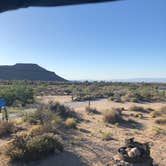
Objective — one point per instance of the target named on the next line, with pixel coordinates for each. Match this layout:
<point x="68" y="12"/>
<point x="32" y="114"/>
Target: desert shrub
<point x="37" y="130"/>
<point x="161" y="121"/>
<point x="137" y="109"/>
<point x="112" y="116"/>
<point x="71" y="123"/>
<point x="63" y="111"/>
<point x="158" y="113"/>
<point x="107" y="136"/>
<point x="28" y="148"/>
<point x="155" y="114"/>
<point x="116" y="98"/>
<point x="6" y="128"/>
<point x="17" y="93"/>
<point x="49" y="120"/>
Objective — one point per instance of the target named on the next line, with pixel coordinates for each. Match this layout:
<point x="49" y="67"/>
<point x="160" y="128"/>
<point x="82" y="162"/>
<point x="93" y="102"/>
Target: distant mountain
<point x="23" y="71"/>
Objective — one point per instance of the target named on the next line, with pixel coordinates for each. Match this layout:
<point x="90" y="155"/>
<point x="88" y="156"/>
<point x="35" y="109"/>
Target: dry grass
<point x="107" y="136"/>
<point x="112" y="116"/>
<point x="71" y="123"/>
<point x="137" y="108"/>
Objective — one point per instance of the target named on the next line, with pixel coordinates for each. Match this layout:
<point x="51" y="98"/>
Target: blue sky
<point x="125" y="39"/>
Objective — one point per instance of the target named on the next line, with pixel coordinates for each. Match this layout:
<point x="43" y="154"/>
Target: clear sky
<point x="125" y="39"/>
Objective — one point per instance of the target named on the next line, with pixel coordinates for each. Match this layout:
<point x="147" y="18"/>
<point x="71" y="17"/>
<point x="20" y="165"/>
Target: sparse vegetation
<point x="119" y="92"/>
<point x="17" y="94"/>
<point x="28" y="148"/>
<point x="157" y="131"/>
<point x="137" y="109"/>
<point x="40" y="123"/>
<point x="43" y="117"/>
<point x="112" y="116"/>
<point x="107" y="136"/>
<point x="61" y="110"/>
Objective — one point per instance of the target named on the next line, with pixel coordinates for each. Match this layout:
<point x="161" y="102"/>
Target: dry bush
<point x="37" y="130"/>
<point x="28" y="148"/>
<point x="158" y="113"/>
<point x="71" y="123"/>
<point x="112" y="116"/>
<point x="161" y="121"/>
<point x="43" y="117"/>
<point x="6" y="128"/>
<point x="137" y="109"/>
<point x="155" y="114"/>
<point x="107" y="136"/>
<point x="63" y="111"/>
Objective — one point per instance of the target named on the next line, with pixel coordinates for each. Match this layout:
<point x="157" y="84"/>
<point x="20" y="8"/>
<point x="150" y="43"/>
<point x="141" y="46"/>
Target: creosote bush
<point x="71" y="123"/>
<point x="61" y="110"/>
<point x="6" y="128"/>
<point x="112" y="116"/>
<point x="28" y="148"/>
<point x="43" y="117"/>
<point x="17" y="94"/>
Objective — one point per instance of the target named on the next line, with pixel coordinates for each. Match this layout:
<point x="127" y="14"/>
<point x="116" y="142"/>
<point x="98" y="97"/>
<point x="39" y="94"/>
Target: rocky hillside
<point x="27" y="72"/>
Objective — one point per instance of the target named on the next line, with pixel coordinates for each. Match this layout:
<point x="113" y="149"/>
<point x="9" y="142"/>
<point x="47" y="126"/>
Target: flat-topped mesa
<point x="27" y="71"/>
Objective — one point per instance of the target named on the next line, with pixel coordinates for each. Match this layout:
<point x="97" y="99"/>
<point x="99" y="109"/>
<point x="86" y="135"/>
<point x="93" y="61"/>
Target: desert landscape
<point x="90" y="128"/>
<point x="82" y="83"/>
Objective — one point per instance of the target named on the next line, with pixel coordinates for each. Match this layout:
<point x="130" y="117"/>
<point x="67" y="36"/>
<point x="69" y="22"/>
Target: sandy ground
<point x="85" y="146"/>
<point x="87" y="141"/>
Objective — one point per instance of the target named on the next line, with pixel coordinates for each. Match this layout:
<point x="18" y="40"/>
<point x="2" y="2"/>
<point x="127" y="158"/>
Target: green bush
<point x="43" y="117"/>
<point x="112" y="116"/>
<point x="17" y="93"/>
<point x="29" y="148"/>
<point x="6" y="128"/>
